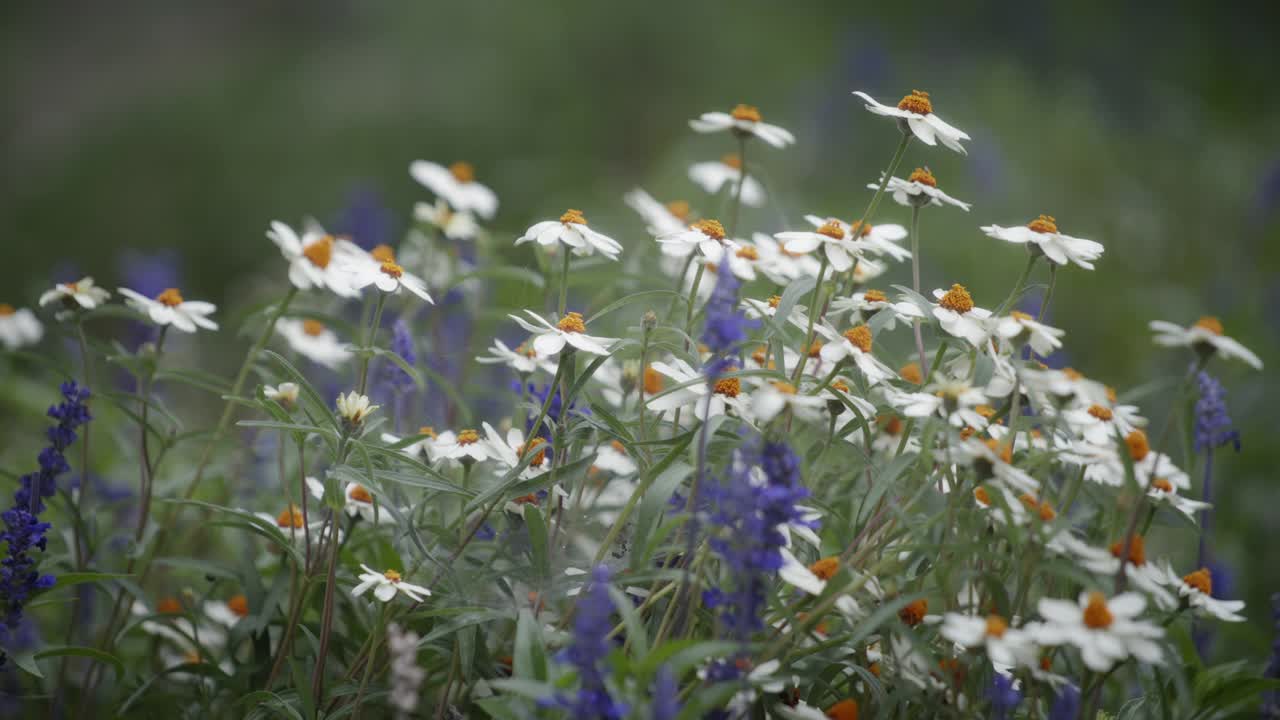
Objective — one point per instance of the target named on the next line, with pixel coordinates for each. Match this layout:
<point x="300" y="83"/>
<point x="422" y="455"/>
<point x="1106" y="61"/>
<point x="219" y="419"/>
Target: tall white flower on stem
<point x="357" y="501"/>
<point x="1042" y="233"/>
<point x="743" y="120"/>
<point x="919" y="189"/>
<point x="659" y="219"/>
<point x="379" y="268"/>
<point x="571" y="230"/>
<point x="386" y="585"/>
<point x="1205" y="336"/>
<point x="958" y="315"/>
<point x="915" y="114"/>
<point x="1106" y="631"/>
<point x="570" y="330"/>
<point x="706" y="236"/>
<point x="316" y="258"/>
<point x="79" y="295"/>
<point x="869" y="303"/>
<point x="854" y="343"/>
<point x="523" y="359"/>
<point x="18" y="327"/>
<point x="879" y="239"/>
<point x="1196" y="590"/>
<point x="455" y="224"/>
<point x="833" y="239"/>
<point x="713" y="175"/>
<point x="510" y="450"/>
<point x="1021" y="327"/>
<point x="169" y="308"/>
<point x="727" y="393"/>
<point x="312" y="340"/>
<point x="457" y="185"/>
<point x="1005" y="646"/>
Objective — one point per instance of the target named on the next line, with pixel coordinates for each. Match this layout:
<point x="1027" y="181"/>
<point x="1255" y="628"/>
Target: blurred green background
<point x="137" y="130"/>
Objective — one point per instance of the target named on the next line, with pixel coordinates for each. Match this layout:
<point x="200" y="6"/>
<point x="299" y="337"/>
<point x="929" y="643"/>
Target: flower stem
<point x="737" y="190"/>
<point x="369" y="339"/>
<point x="813" y="316"/>
<point x="564" y="284"/>
<point x="915" y="284"/>
<point x="1019" y="285"/>
<point x="1048" y="293"/>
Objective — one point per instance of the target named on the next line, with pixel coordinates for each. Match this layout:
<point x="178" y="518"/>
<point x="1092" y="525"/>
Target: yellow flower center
<point x="859" y="337"/>
<point x="891" y="424"/>
<point x="1138" y="445"/>
<point x="572" y="323"/>
<point x="985" y="411"/>
<point x="957" y="299"/>
<point x="922" y="176"/>
<point x="825" y="568"/>
<point x="711" y="228"/>
<point x="1162" y="485"/>
<point x="859" y="229"/>
<point x="169" y="606"/>
<point x="573" y="217"/>
<point x="392" y="269"/>
<point x="238" y="604"/>
<point x="652" y="381"/>
<point x="831" y="229"/>
<point x="618" y="446"/>
<point x="383" y="253"/>
<point x="917" y="102"/>
<point x="1200" y="580"/>
<point x="1045" y="510"/>
<point x="748" y="252"/>
<point x="360" y="493"/>
<point x="729" y="387"/>
<point x="913" y="613"/>
<point x="1044" y="224"/>
<point x="1102" y="413"/>
<point x="911" y="373"/>
<point x="844" y="710"/>
<point x="1072" y="374"/>
<point x="320" y="252"/>
<point x="1004" y="451"/>
<point x="785" y="388"/>
<point x="6" y="310"/>
<point x="996" y="626"/>
<point x="1210" y="323"/>
<point x="463" y="172"/>
<point x="1096" y="614"/>
<point x="312" y="327"/>
<point x="1137" y="550"/>
<point x="290" y="517"/>
<point x="533" y="443"/>
<point x="1019" y="315"/>
<point x="746" y="112"/>
<point x="392" y="575"/>
<point x="840" y="385"/>
<point x="774" y="300"/>
<point x="815" y="349"/>
<point x="468" y="437"/>
<point x="732" y="160"/>
<point x="874" y="296"/>
<point x="170" y="297"/>
<point x="679" y="208"/>
<point x="981" y="495"/>
<point x="427" y="431"/>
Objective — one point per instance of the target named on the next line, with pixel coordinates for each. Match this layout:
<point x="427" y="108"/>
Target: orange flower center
<point x="1072" y="373"/>
<point x="911" y="373"/>
<point x="785" y="388"/>
<point x="996" y="626"/>
<point x="923" y="176"/>
<point x="1102" y="413"/>
<point x="1200" y="580"/>
<point x="1210" y="323"/>
<point x="774" y="300"/>
<point x="1138" y="445"/>
<point x="891" y="424"/>
<point x="844" y="710"/>
<point x="392" y="575"/>
<point x="1096" y="614"/>
<point x="874" y="296"/>
<point x="169" y="606"/>
<point x="1044" y="224"/>
<point x="290" y="517"/>
<point x="746" y="112"/>
<point x="533" y="443"/>
<point x="729" y="387"/>
<point x="957" y="299"/>
<point x="917" y="102"/>
<point x="427" y="431"/>
<point x="383" y="253"/>
<point x="859" y="229"/>
<point x="618" y="446"/>
<point x="732" y="160"/>
<point x="239" y="604"/>
<point x="831" y="229"/>
<point x="711" y="228"/>
<point x="463" y="172"/>
<point x="530" y="499"/>
<point x="840" y="385"/>
<point x="6" y="310"/>
<point x="468" y="437"/>
<point x="312" y="327"/>
<point x="679" y="208"/>
<point x="652" y="381"/>
<point x="573" y="217"/>
<point x="981" y="495"/>
<point x="1004" y="451"/>
<point x="320" y="252"/>
<point x="1162" y="485"/>
<point x="392" y="269"/>
<point x="1137" y="550"/>
<point x="572" y="323"/>
<point x="748" y="252"/>
<point x="360" y="493"/>
<point x="170" y="297"/>
<point x="1046" y="511"/>
<point x="859" y="337"/>
<point x="913" y="613"/>
<point x="825" y="568"/>
<point x="985" y="411"/>
<point x="1019" y="315"/>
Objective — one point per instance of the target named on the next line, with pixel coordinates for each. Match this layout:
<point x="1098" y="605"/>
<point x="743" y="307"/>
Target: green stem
<point x="1048" y="294"/>
<point x="1018" y="286"/>
<point x="742" y="180"/>
<point x="370" y="337"/>
<point x="915" y="283"/>
<point x="813" y="316"/>
<point x="564" y="283"/>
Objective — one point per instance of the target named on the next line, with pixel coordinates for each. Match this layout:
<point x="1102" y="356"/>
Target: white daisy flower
<point x="1105" y="631"/>
<point x="465" y="446"/>
<point x="955" y="400"/>
<point x="771" y="398"/>
<point x="79" y="295"/>
<point x="357" y="500"/>
<point x="1021" y="327"/>
<point x="813" y="578"/>
<point x="959" y="317"/>
<point x="915" y="113"/>
<point x="315" y="258"/>
<point x="424" y="446"/>
<point x="713" y="175"/>
<point x="1004" y="645"/>
<point x="782" y="264"/>
<point x="291" y="523"/>
<point x="386" y="585"/>
<point x="1043" y="234"/>
<point x="840" y="388"/>
<point x="227" y="614"/>
<point x="854" y="343"/>
<point x="571" y="230"/>
<point x="312" y="340"/>
<point x="509" y="450"/>
<point x="168" y="308"/>
<point x="1196" y="589"/>
<point x="457" y="185"/>
<point x="380" y="269"/>
<point x="175" y="626"/>
<point x="613" y="457"/>
<point x="831" y="236"/>
<point x="354" y="407"/>
<point x="1146" y="576"/>
<point x="743" y="120"/>
<point x="998" y="456"/>
<point x="919" y="189"/>
<point x="726" y="394"/>
<point x="286" y="393"/>
<point x="454" y="224"/>
<point x="1098" y="423"/>
<point x="1205" y="336"/>
<point x="570" y="330"/>
<point x="523" y="359"/>
<point x="705" y="236"/>
<point x="879" y="239"/>
<point x="1162" y="491"/>
<point x="659" y="219"/>
<point x="18" y="328"/>
<point x="870" y="302"/>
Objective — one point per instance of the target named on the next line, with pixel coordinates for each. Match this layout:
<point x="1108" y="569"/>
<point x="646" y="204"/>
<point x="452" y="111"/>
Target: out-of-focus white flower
<point x="879" y="239"/>
<point x="854" y="343"/>
<point x="1146" y="576"/>
<point x="831" y="236"/>
<point x="915" y="111"/>
<point x="455" y="224"/>
<point x="357" y="500"/>
<point x="407" y="675"/>
<point x="509" y="450"/>
<point x="1021" y="327"/>
<point x="466" y="446"/>
<point x="291" y="523"/>
<point x="715" y="174"/>
<point x="659" y="219"/>
<point x="571" y="230"/>
<point x="354" y="407"/>
<point x="228" y="613"/>
<point x="771" y="398"/>
<point x="286" y="393"/>
<point x="386" y="585"/>
<point x="958" y="315"/>
<point x="810" y="578"/>
<point x="919" y="189"/>
<point x="570" y="330"/>
<point x="613" y="457"/>
<point x="18" y="327"/>
<point x="1105" y="631"/>
<point x="1098" y="423"/>
<point x="524" y="359"/>
<point x="380" y="269"/>
<point x="870" y="302"/>
<point x="781" y="264"/>
<point x="79" y="295"/>
<point x="457" y="185"/>
<point x="1043" y="234"/>
<point x="424" y="446"/>
<point x="315" y="257"/>
<point x="1196" y="589"/>
<point x="955" y="400"/>
<point x="743" y="120"/>
<point x="725" y="394"/>
<point x="1205" y="336"/>
<point x="312" y="340"/>
<point x="1004" y="645"/>
<point x="706" y="236"/>
<point x="168" y="308"/>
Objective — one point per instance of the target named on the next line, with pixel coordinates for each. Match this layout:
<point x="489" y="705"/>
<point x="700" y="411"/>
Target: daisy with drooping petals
<point x="386" y="585"/>
<point x="229" y="613"/>
<point x="1196" y="590"/>
<point x="880" y="239"/>
<point x="455" y="224"/>
<point x="714" y="175"/>
<point x="354" y="407"/>
<point x="915" y="113"/>
<point x="379" y="268"/>
<point x="1146" y="576"/>
<point x="168" y="308"/>
<point x="524" y="359"/>
<point x="659" y="219"/>
<point x="1205" y="337"/>
<point x="1105" y="630"/>
<point x="79" y="295"/>
<point x="1162" y="491"/>
<point x="919" y="189"/>
<point x="358" y="501"/>
<point x="744" y="121"/>
<point x="780" y="263"/>
<point x="613" y="457"/>
<point x="465" y="446"/>
<point x="18" y="327"/>
<point x="510" y="450"/>
<point x="424" y="446"/>
<point x="312" y="340"/>
<point x="831" y="235"/>
<point x="706" y="236"/>
<point x="727" y="393"/>
<point x="292" y="524"/>
<point x="956" y="400"/>
<point x="1006" y="646"/>
<point x="1021" y="327"/>
<point x="571" y="230"/>
<point x="958" y="315"/>
<point x="570" y="330"/>
<point x="771" y="398"/>
<point x="1042" y="233"/>
<point x="316" y="258"/>
<point x="1098" y="423"/>
<point x="457" y="185"/>
<point x="854" y="343"/>
<point x="868" y="303"/>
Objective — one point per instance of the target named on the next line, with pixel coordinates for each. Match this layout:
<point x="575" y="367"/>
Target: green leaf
<point x="84" y="652"/>
<point x="530" y="658"/>
<point x="537" y="540"/>
<point x="76" y="578"/>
